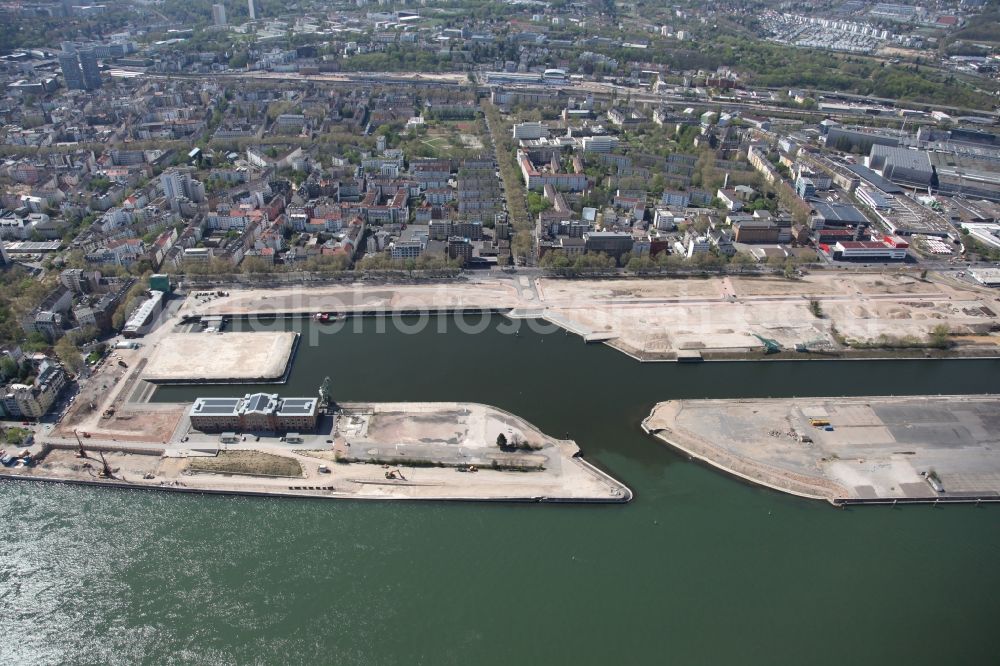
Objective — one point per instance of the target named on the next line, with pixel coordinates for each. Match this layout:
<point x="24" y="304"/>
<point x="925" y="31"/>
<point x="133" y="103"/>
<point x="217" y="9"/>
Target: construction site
<point x="843" y="314"/>
<point x="819" y="315"/>
<point x="860" y="450"/>
<point x="412" y="451"/>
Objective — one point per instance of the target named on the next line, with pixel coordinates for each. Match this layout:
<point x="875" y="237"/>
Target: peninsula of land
<point x="845" y="450"/>
<point x="408" y="451"/>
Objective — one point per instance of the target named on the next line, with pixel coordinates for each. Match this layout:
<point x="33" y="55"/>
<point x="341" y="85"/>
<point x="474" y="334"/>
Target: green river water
<point x="699" y="569"/>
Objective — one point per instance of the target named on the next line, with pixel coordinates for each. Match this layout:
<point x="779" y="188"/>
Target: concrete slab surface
<point x="878" y="448"/>
<point x="221" y="357"/>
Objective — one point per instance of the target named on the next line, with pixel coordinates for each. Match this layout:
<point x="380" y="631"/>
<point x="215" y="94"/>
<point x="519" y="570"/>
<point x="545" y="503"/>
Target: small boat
<point x="322" y="317"/>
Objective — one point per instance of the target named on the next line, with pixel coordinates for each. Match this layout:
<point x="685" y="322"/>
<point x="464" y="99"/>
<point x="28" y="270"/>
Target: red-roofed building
<point x="868" y="250"/>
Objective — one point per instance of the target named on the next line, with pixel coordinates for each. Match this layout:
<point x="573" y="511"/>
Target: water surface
<point x="699" y="569"/>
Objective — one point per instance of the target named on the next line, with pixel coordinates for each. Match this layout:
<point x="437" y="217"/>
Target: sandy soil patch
<point x="357" y="297"/>
<point x="559" y="290"/>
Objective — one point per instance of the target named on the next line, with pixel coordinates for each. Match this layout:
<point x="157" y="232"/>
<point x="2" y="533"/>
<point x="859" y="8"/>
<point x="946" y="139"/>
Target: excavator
<point x="771" y="346"/>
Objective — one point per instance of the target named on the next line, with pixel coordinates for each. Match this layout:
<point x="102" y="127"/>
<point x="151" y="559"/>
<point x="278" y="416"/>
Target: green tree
<point x="939" y="336"/>
<point x="69" y="354"/>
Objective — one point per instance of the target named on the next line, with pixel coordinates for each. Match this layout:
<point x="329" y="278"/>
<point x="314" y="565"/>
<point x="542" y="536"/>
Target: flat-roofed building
<point x="756" y="231"/>
<point x="874" y="198"/>
<point x="836" y="215"/>
<point x="987" y="233"/>
<point x="530" y="130"/>
<point x="901" y="165"/>
<point x="599" y="144"/>
<point x="144" y="316"/>
<point x="869" y="250"/>
<point x="989" y="277"/>
<point x="212" y="414"/>
<point x="612" y="243"/>
<point x="536" y="179"/>
<point x="255" y="412"/>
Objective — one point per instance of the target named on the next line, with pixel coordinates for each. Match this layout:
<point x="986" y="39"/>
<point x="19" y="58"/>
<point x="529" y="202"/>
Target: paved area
<point x="227" y="356"/>
<point x="877" y="448"/>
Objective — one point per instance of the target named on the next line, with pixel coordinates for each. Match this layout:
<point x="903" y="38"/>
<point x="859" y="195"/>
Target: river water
<point x="699" y="569"/>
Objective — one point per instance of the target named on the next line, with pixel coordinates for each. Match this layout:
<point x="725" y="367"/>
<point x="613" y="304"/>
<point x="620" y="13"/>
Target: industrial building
<point x="988" y="277"/>
<point x="888" y="249"/>
<point x="255" y="412"/>
<point x="987" y="233"/>
<point x="847" y="139"/>
<point x="901" y="165"/>
<point x="826" y="215"/>
<point x="144" y="316"/>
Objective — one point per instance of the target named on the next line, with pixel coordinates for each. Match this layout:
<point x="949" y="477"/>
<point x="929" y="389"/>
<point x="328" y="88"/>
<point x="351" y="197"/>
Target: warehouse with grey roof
<point x="902" y="165"/>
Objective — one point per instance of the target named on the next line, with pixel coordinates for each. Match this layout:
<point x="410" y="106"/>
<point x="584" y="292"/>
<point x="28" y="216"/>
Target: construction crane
<point x="106" y="471"/>
<point x="771" y="346"/>
<point x="324" y="393"/>
<point x="80" y="453"/>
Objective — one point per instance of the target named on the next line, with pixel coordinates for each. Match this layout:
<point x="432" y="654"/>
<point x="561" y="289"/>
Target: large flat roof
<point x="256" y="403"/>
<point x="874" y="179"/>
<point x="297" y="406"/>
<point x="216" y="406"/>
<point x="904" y="158"/>
<point x="839" y="212"/>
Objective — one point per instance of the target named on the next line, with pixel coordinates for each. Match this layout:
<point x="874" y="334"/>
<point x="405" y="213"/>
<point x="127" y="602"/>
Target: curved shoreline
<point x="401" y="451"/>
<point x="714" y="462"/>
<point x="845" y="450"/>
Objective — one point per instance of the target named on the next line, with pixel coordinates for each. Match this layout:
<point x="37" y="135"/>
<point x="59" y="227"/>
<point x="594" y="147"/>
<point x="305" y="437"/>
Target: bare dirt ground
<point x="593" y="290"/>
<point x="357" y="297"/>
<point x="443" y="426"/>
<point x="658" y="317"/>
<point x="66" y="463"/>
<point x="431" y="448"/>
<point x="103" y="408"/>
<point x="251" y="463"/>
<point x="661" y="317"/>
